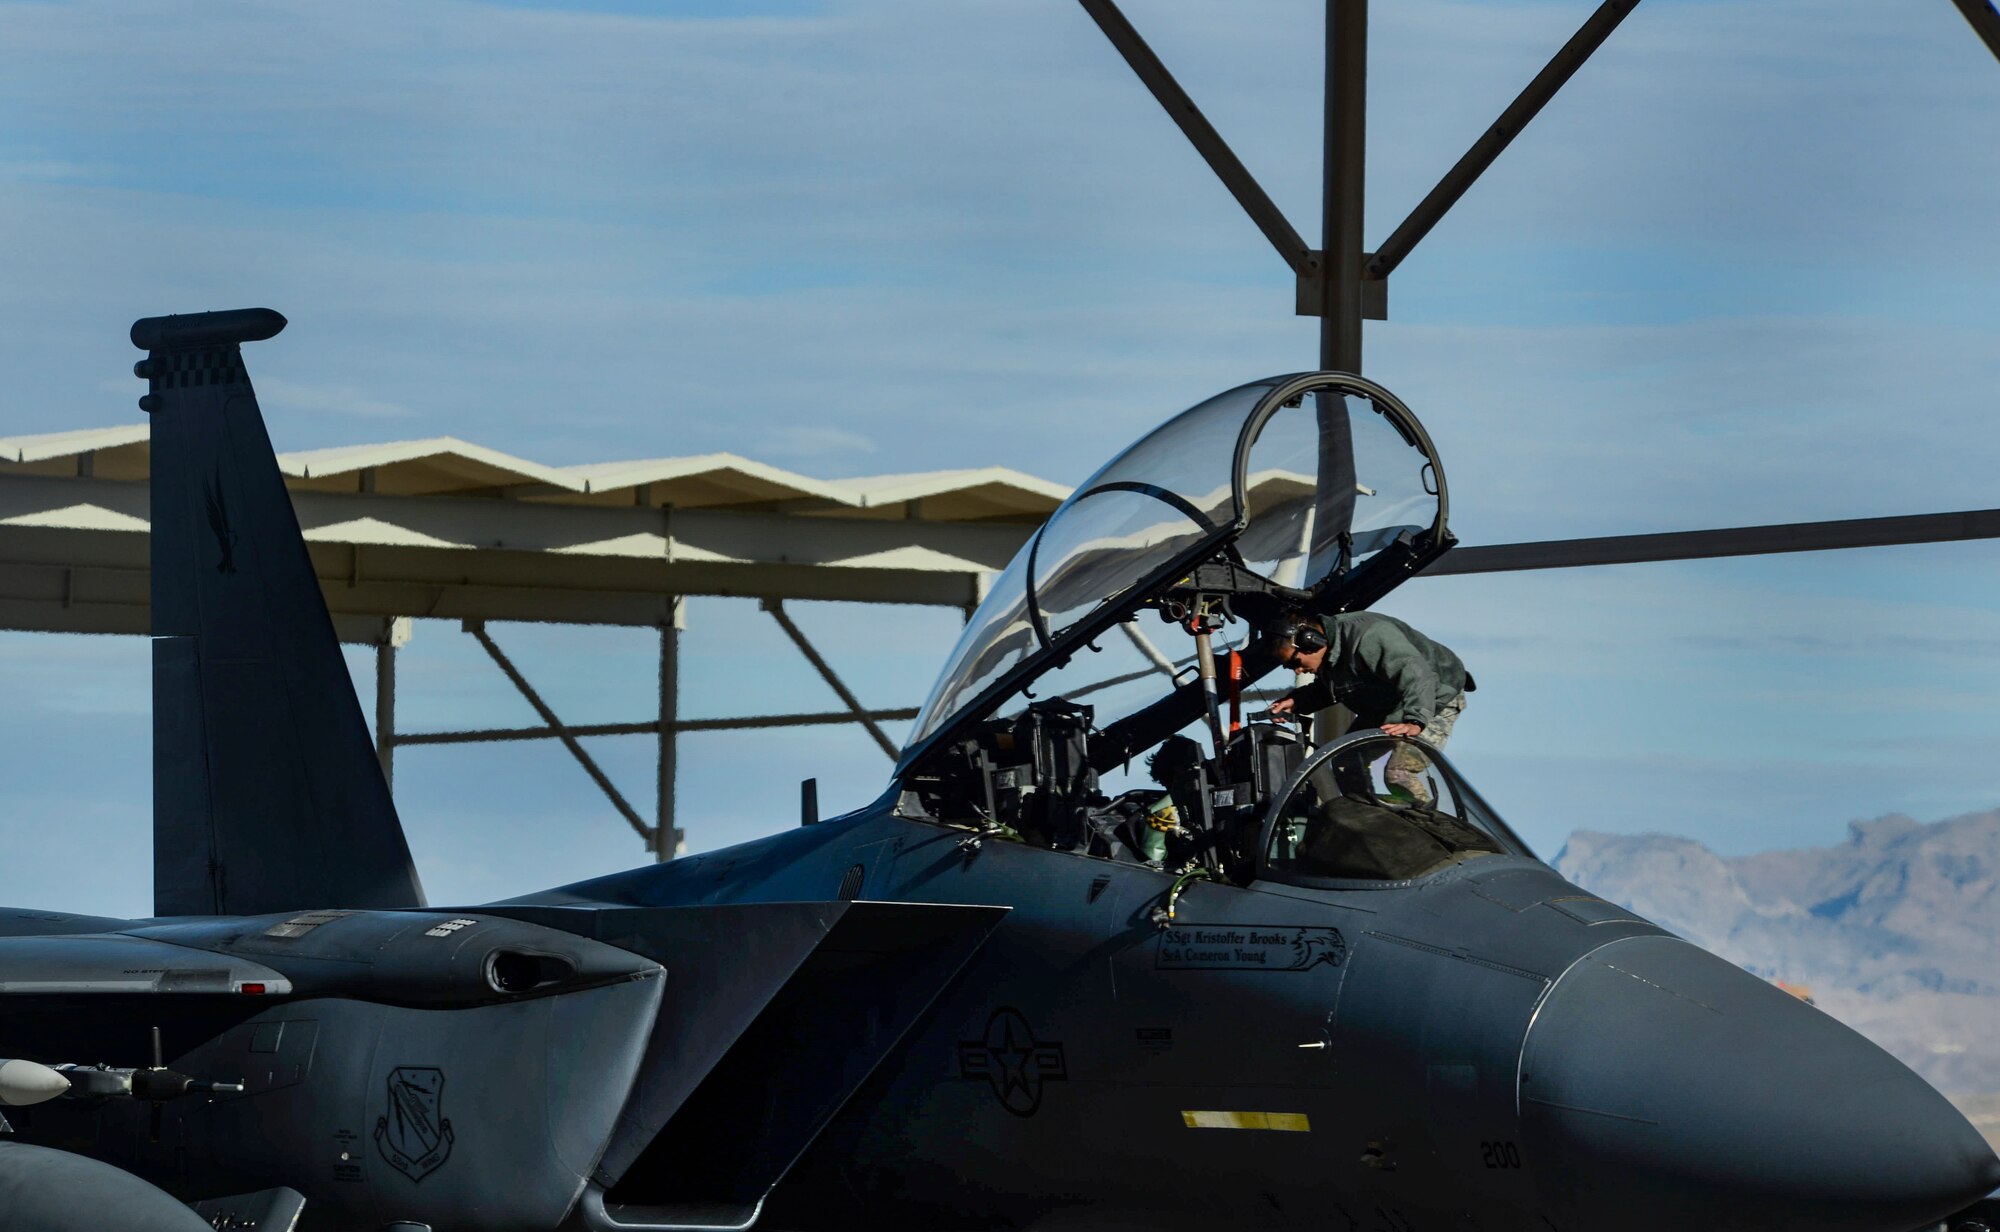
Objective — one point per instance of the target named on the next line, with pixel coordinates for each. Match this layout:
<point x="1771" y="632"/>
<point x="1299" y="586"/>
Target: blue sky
<point x="1742" y="270"/>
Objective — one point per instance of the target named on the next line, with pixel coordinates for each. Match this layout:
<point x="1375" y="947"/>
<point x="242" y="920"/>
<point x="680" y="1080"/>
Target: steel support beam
<point x="753" y="722"/>
<point x="822" y="718"/>
<point x="478" y="630"/>
<point x="777" y="609"/>
<point x="668" y="839"/>
<point x="1343" y="181"/>
<point x="385" y="710"/>
<point x="1154" y="654"/>
<point x="1202" y="135"/>
<point x="1985" y="22"/>
<point x="1731" y="541"/>
<point x="1495" y="139"/>
<point x="1340" y="283"/>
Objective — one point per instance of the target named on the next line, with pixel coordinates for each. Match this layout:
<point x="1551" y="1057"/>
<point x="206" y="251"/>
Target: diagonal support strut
<point x="777" y="609"/>
<point x="1495" y="139"/>
<point x="1207" y="142"/>
<point x="1985" y="22"/>
<point x="477" y="628"/>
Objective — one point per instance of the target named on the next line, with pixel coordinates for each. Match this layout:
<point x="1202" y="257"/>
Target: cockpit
<point x="1097" y="700"/>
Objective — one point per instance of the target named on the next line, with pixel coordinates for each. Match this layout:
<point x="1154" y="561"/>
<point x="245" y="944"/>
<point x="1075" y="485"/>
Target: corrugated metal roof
<point x="48" y="445"/>
<point x="447" y="466"/>
<point x="439" y="466"/>
<point x="981" y="494"/>
<point x="122" y="452"/>
<point x="702" y="481"/>
<point x="446" y="528"/>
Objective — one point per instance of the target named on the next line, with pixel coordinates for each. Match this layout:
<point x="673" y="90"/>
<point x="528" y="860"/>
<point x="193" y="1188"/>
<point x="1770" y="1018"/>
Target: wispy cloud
<point x="30" y="169"/>
<point x="815" y="441"/>
<point x="332" y="400"/>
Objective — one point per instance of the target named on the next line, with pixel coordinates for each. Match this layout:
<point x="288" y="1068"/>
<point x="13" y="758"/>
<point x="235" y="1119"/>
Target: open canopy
<point x="1320" y="490"/>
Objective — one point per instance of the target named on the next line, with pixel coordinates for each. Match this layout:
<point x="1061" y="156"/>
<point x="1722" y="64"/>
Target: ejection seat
<point x="1346" y="817"/>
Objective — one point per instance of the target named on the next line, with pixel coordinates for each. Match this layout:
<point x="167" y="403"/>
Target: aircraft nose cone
<point x="1662" y="1087"/>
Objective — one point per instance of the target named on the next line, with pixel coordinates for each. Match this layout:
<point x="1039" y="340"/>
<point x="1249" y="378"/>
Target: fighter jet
<point x="1105" y="954"/>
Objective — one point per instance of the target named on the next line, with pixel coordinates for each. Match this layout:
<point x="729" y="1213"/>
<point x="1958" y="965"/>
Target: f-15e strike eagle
<point x="1024" y="989"/>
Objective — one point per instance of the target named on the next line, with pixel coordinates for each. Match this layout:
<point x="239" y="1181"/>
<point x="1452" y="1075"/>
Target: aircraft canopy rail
<point x="1279" y="492"/>
<point x="1371" y="810"/>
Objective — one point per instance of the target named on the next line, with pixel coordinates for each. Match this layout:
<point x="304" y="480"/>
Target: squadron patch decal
<point x="414" y="1136"/>
<point x="1009" y="1058"/>
<point x="1249" y="947"/>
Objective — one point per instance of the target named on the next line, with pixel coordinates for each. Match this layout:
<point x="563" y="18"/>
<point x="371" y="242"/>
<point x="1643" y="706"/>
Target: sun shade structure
<point x="443" y="527"/>
<point x="447" y="528"/>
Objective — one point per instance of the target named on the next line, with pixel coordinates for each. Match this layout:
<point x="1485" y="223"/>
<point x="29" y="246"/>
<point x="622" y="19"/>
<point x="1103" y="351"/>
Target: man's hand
<point x="1398" y="729"/>
<point x="1281" y="710"/>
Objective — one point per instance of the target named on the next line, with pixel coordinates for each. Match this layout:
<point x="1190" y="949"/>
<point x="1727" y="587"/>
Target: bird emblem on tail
<point x="218" y="521"/>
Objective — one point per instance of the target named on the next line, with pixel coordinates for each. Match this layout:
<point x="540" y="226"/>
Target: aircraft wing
<point x="389" y="1061"/>
<point x="578" y="1049"/>
<point x="745" y="1069"/>
<point x="86" y="965"/>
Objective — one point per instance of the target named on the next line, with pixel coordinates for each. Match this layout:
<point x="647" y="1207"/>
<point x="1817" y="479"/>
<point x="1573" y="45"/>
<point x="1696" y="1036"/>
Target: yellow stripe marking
<point x="1290" y="1122"/>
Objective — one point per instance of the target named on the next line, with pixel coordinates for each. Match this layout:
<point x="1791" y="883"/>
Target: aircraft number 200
<point x="1500" y="1154"/>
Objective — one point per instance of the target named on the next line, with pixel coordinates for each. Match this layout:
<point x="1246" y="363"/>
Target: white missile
<point x="24" y="1082"/>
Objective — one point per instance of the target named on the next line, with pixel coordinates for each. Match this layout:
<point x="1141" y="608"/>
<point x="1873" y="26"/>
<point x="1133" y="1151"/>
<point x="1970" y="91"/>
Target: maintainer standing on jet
<point x="1387" y="673"/>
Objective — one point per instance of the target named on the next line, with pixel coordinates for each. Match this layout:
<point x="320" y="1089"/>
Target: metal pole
<point x="667" y="839"/>
<point x="1346" y="137"/>
<point x="752" y="722"/>
<point x="1727" y="541"/>
<point x="385" y="708"/>
<point x="1345" y="181"/>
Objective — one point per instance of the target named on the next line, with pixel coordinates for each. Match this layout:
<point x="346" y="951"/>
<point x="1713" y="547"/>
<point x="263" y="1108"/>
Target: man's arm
<point x="1311" y="697"/>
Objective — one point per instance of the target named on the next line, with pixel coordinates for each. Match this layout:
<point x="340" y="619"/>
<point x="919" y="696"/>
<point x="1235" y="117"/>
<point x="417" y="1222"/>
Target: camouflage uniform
<point x="1387" y="672"/>
<point x="1407" y="764"/>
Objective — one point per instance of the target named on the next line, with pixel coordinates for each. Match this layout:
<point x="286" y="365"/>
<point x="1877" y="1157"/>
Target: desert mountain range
<point x="1896" y="931"/>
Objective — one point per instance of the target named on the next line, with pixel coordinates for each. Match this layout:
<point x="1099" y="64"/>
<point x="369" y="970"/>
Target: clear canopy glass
<point x="1297" y="483"/>
<point x="1101" y="541"/>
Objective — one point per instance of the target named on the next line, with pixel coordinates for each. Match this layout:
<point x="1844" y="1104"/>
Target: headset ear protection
<point x="1305" y="638"/>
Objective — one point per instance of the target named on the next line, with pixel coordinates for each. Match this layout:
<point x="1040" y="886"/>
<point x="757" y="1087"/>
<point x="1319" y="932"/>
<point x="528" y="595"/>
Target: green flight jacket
<point x="1384" y="671"/>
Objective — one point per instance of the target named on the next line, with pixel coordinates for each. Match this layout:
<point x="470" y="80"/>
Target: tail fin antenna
<point x="267" y="795"/>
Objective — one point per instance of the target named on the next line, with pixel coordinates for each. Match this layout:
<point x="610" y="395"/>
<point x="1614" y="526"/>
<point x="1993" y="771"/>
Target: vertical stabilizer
<point x="267" y="795"/>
